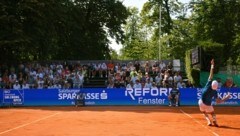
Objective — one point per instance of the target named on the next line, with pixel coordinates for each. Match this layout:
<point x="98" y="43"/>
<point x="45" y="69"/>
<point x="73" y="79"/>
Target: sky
<point x="139" y="5"/>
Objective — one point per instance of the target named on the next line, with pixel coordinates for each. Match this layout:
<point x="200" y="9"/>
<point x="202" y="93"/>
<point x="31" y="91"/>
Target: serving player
<point x="208" y="92"/>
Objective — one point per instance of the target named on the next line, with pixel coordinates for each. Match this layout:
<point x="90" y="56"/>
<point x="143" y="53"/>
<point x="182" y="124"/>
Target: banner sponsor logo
<point x="67" y="94"/>
<point x="70" y="94"/>
<point x="148" y="95"/>
<point x="96" y="96"/>
<point x="15" y="97"/>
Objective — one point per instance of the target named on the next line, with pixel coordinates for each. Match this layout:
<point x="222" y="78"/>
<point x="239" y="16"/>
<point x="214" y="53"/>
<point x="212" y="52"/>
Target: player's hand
<point x="228" y="96"/>
<point x="212" y="62"/>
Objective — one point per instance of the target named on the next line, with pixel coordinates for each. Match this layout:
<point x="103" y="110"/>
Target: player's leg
<point x="214" y="119"/>
<point x="207" y="118"/>
<point x="203" y="109"/>
<point x="210" y="110"/>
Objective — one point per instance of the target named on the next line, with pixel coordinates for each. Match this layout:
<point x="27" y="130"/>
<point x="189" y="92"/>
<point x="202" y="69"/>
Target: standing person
<point x="208" y="92"/>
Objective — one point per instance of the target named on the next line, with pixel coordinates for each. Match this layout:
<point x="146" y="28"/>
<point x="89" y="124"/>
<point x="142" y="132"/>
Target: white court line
<point x="29" y="123"/>
<point x="214" y="133"/>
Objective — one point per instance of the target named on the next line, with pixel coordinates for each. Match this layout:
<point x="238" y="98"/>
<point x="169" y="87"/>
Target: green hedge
<point x="193" y="74"/>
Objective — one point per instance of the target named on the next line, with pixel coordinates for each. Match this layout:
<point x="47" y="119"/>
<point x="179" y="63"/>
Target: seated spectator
<point x="137" y="84"/>
<point x="155" y="67"/>
<point x="229" y="83"/>
<point x="25" y="85"/>
<point x="16" y="85"/>
<point x="147" y="67"/>
<point x="110" y="67"/>
<point x="162" y="66"/>
<point x="154" y="85"/>
<point x="177" y="77"/>
<point x="181" y="84"/>
<point x="137" y="65"/>
<point x="158" y="79"/>
<point x="173" y="97"/>
<point x="130" y="85"/>
<point x="148" y="84"/>
<point x="110" y="84"/>
<point x="189" y="84"/>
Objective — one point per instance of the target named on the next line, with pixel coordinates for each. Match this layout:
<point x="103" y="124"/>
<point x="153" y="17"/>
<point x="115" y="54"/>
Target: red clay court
<point x="116" y="121"/>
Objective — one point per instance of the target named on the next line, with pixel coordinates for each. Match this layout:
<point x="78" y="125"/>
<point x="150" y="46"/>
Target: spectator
<point x="25" y="85"/>
<point x="155" y="67"/>
<point x="162" y="65"/>
<point x="158" y="79"/>
<point x="148" y="84"/>
<point x="177" y="77"/>
<point x="137" y="66"/>
<point x="147" y="67"/>
<point x="110" y="67"/>
<point x="130" y="85"/>
<point x="16" y="85"/>
<point x="229" y="83"/>
<point x="137" y="84"/>
<point x="111" y="84"/>
<point x="154" y="85"/>
<point x="189" y="84"/>
<point x="181" y="84"/>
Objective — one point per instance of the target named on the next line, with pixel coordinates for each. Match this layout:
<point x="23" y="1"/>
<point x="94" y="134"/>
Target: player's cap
<point x="214" y="85"/>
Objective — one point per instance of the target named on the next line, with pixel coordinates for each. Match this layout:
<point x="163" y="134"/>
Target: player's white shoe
<point x="209" y="123"/>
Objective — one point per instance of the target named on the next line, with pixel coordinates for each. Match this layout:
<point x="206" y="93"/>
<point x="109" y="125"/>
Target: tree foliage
<point x="218" y="21"/>
<point x="59" y="29"/>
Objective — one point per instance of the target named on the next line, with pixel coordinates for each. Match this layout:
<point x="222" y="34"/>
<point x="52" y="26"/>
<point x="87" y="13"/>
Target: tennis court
<point x="115" y="121"/>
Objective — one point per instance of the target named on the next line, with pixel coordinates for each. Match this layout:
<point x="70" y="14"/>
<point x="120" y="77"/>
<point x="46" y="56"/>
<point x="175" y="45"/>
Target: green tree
<point x="217" y="21"/>
<point x="59" y="29"/>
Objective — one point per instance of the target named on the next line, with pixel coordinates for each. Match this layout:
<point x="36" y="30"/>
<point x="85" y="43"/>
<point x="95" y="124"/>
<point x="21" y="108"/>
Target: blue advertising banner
<point x="13" y="97"/>
<point x="104" y="96"/>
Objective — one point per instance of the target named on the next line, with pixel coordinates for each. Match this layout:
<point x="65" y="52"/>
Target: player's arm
<point x="219" y="100"/>
<point x="211" y="70"/>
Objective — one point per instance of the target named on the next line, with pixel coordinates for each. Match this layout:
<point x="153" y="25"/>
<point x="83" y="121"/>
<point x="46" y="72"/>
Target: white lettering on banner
<point x="221" y="95"/>
<point x="68" y="94"/>
<point x="63" y="96"/>
<point x="151" y="101"/>
<point x="143" y="92"/>
<point x="92" y="96"/>
<point x="199" y="93"/>
<point x="233" y="95"/>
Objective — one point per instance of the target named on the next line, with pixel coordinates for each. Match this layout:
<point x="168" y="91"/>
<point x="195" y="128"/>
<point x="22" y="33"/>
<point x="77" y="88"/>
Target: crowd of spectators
<point x="37" y="76"/>
<point x="117" y="75"/>
<point x="136" y="74"/>
<point x="145" y="75"/>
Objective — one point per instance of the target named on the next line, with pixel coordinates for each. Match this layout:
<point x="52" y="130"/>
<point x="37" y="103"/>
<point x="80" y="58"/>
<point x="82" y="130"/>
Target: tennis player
<point x="208" y="92"/>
